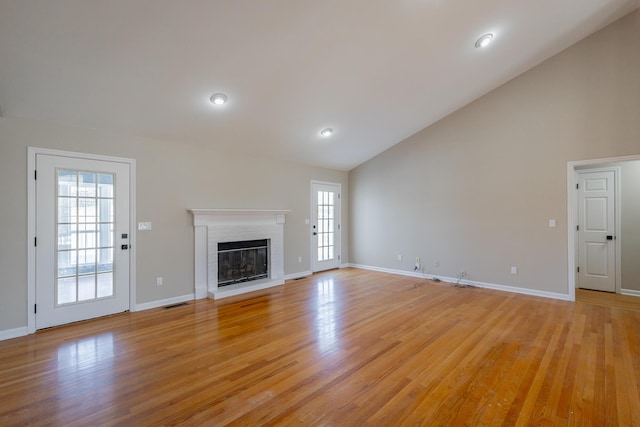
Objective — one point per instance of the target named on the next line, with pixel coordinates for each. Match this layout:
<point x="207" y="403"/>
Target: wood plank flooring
<point x="346" y="348"/>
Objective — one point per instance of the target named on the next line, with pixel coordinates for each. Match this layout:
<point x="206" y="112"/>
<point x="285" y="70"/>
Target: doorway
<point x="80" y="216"/>
<point x="625" y="238"/>
<point x="325" y="225"/>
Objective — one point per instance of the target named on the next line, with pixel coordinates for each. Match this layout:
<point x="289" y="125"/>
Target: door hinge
<point x="578" y="269"/>
<point x="338" y="226"/>
<point x="577" y="186"/>
<point x="577" y="228"/>
<point x="35" y="175"/>
<point x="35" y="308"/>
<point x="338" y="257"/>
<point x="35" y="241"/>
<point x="338" y="195"/>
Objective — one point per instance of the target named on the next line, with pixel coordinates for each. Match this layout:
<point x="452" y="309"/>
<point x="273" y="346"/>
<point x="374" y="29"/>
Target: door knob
<point x="609" y="237"/>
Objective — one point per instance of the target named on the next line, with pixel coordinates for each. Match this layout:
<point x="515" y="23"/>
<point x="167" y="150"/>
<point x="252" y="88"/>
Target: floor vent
<point x="180" y="304"/>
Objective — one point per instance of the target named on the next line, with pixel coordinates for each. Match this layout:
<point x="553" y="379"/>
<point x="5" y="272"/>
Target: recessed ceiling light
<point x="484" y="40"/>
<point x="218" y="98"/>
<point x="326" y="132"/>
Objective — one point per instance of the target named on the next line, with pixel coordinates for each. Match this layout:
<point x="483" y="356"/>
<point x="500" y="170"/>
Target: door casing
<point x="32" y="152"/>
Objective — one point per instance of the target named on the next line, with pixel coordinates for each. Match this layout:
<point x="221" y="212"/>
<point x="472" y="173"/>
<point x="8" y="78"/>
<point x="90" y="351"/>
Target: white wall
<point x="171" y="177"/>
<point x="475" y="191"/>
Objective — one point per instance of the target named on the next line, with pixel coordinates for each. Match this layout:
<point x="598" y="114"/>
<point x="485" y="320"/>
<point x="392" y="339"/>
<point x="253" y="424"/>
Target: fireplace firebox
<point x="243" y="261"/>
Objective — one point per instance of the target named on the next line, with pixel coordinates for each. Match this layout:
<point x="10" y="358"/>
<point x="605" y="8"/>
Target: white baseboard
<point x="20" y="332"/>
<point x="505" y="288"/>
<point x="298" y="275"/>
<point x="164" y="302"/>
<point x="13" y="333"/>
<point x="630" y="292"/>
<point x="418" y="274"/>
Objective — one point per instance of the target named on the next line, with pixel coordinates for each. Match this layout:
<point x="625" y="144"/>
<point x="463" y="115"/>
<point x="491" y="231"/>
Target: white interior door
<point x="82" y="239"/>
<point x="325" y="226"/>
<point x="596" y="231"/>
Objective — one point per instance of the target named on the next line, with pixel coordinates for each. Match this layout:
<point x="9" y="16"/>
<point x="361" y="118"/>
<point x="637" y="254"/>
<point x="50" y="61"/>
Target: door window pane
<point x="66" y="290"/>
<point x="86" y="287"/>
<point x="326" y="231"/>
<point x="105" y="285"/>
<point x="85" y="236"/>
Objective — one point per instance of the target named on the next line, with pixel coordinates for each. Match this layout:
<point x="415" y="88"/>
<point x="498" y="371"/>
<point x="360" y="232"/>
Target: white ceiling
<point x="376" y="71"/>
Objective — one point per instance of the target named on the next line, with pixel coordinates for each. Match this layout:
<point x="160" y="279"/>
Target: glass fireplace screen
<point x="242" y="261"/>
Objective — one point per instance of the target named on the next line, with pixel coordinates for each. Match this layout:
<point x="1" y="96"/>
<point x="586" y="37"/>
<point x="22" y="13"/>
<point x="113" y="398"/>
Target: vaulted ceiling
<point x="375" y="71"/>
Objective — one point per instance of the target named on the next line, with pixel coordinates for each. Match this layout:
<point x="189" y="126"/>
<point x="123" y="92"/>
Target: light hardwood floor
<point x="345" y="347"/>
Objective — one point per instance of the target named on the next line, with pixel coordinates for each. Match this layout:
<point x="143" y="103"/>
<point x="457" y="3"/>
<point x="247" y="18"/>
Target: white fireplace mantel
<point x="213" y="226"/>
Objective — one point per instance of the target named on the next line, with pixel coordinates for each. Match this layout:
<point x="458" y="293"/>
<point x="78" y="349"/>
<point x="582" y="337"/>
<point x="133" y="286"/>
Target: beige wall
<point x="630" y="225"/>
<point x="475" y="191"/>
<point x="170" y="178"/>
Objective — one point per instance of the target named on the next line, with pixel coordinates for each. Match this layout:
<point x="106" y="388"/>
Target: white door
<point x="82" y="239"/>
<point x="596" y="231"/>
<point x="325" y="226"/>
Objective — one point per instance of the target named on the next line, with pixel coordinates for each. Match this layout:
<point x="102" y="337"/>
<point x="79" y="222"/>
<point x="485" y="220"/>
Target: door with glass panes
<point x="82" y="239"/>
<point x="325" y="225"/>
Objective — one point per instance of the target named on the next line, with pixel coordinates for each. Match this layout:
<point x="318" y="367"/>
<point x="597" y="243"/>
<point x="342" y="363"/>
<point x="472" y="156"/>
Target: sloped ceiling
<point x="376" y="71"/>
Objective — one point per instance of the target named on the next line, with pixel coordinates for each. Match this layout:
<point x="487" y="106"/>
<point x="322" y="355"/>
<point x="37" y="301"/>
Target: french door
<point x="325" y="224"/>
<point x="82" y="238"/>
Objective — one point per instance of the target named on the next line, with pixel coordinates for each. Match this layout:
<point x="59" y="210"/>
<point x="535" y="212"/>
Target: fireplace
<point x="240" y="262"/>
<point x="223" y="267"/>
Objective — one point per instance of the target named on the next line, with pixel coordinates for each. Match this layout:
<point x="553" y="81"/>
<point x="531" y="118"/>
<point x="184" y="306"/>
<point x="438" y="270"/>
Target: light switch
<point x="552" y="223"/>
<point x="144" y="226"/>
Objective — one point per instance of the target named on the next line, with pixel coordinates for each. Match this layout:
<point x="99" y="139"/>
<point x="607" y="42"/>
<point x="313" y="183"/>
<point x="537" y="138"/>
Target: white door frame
<point x="572" y="214"/>
<point x="32" y="152"/>
<point x="313" y="251"/>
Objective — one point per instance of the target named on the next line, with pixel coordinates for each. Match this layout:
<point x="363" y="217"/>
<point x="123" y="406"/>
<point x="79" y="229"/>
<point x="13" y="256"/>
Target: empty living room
<point x="320" y="213"/>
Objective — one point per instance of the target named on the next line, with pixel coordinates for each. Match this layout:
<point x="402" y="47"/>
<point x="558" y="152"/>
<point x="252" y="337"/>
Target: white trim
<point x="299" y="275"/>
<point x="13" y="333"/>
<point x="200" y="263"/>
<point x="31" y="235"/>
<point x="572" y="168"/>
<point x="209" y="212"/>
<point x="164" y="302"/>
<point x="389" y="270"/>
<point x="504" y="288"/>
<point x="32" y="152"/>
<point x="630" y="292"/>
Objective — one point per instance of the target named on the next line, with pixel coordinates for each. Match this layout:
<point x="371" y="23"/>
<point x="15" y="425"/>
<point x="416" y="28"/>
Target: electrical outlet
<point x="299" y="259"/>
<point x="418" y="265"/>
<point x="514" y="270"/>
<point x="436" y="264"/>
<point x="399" y="257"/>
<point x="158" y="281"/>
